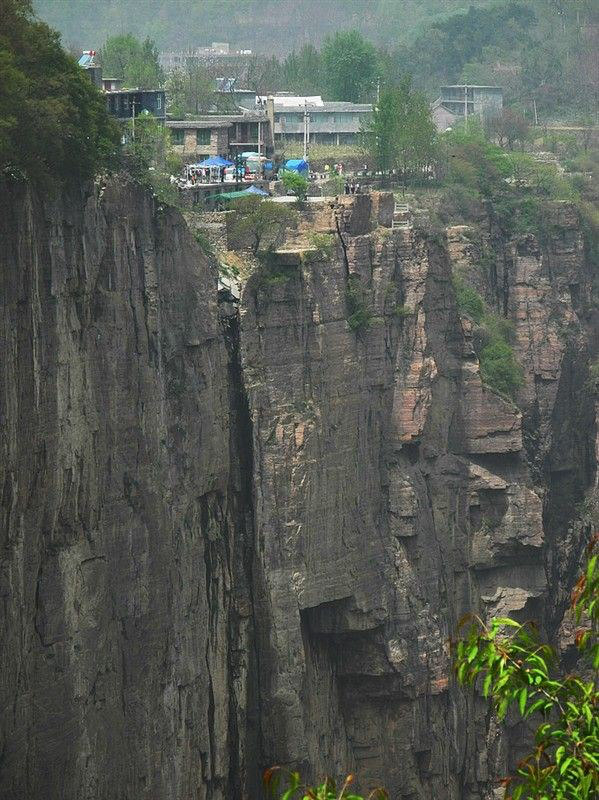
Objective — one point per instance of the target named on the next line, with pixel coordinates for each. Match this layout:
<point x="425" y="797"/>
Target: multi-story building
<point x="124" y="103"/>
<point x="328" y="122"/>
<point x="463" y="100"/>
<point x="214" y="135"/>
<point x="218" y="60"/>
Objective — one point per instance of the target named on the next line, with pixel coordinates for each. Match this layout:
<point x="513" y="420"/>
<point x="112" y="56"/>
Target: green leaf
<point x="522" y="696"/>
<point x="487" y="684"/>
<point x="506" y="622"/>
<point x="565" y="764"/>
<point x="535" y="707"/>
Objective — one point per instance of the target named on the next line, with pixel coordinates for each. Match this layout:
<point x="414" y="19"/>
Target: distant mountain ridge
<point x="266" y="26"/>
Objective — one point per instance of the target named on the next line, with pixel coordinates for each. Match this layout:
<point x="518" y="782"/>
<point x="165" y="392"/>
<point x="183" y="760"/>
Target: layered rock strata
<point x="238" y="537"/>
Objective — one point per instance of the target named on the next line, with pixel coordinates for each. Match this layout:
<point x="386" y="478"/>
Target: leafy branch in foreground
<point x="517" y="670"/>
<point x="281" y="784"/>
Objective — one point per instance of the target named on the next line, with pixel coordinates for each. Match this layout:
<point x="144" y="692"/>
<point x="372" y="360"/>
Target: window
<point x="177" y="135"/>
<point x="159" y="101"/>
<point x="203" y="136"/>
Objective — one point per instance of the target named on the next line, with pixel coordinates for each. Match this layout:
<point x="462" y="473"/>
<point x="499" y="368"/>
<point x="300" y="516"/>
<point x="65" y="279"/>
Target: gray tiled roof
<point x="326" y="108"/>
<point x="216" y="120"/>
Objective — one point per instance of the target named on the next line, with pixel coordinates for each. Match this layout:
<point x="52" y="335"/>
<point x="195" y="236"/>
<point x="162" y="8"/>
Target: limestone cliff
<point x="238" y="537"/>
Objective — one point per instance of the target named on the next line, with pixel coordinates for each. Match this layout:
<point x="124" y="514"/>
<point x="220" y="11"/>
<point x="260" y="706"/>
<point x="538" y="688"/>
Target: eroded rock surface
<point x="239" y="537"/>
<point x="123" y="629"/>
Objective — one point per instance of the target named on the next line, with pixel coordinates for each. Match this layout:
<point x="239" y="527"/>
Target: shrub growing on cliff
<point x="296" y="184"/>
<point x="499" y="368"/>
<point x="53" y="122"/>
<point x="469" y="301"/>
<point x="507" y="661"/>
<point x="360" y="312"/>
<point x="280" y="784"/>
<point x="258" y="224"/>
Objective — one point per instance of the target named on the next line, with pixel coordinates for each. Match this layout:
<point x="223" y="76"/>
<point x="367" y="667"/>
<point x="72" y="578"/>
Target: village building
<point x="124" y="103"/>
<point x="328" y="122"/>
<point x="463" y="100"/>
<point x="218" y="59"/>
<point x="444" y="120"/>
<point x="127" y="103"/>
<point x="214" y="135"/>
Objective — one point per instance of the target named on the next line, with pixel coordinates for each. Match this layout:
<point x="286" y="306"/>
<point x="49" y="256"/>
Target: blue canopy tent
<point x="297" y="165"/>
<point x="214" y="161"/>
<point x="213" y="165"/>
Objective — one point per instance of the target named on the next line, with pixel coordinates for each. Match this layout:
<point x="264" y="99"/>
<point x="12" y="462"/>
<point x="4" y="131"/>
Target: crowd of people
<point x="352" y="187"/>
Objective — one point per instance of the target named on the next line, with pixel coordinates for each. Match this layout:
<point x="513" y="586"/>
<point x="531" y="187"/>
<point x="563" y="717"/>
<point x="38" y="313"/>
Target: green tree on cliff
<point x="349" y="66"/>
<point x="401" y="134"/>
<point x="53" y="121"/>
<point x="509" y="664"/>
<point x="379" y="137"/>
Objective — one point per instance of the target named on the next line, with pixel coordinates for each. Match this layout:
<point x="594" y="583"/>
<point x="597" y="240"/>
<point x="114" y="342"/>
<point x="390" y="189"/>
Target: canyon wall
<point x="124" y="621"/>
<point x="234" y="537"/>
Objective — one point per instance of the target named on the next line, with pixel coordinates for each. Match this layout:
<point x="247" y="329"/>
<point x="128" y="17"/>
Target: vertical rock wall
<point x="122" y="638"/>
<point x="394" y="492"/>
<point x="238" y="537"/>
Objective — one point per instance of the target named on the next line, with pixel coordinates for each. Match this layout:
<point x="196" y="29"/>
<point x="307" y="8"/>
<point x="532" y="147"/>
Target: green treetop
<point x="53" y="121"/>
<point x="349" y="65"/>
<point x="401" y="134"/>
<point x="135" y="62"/>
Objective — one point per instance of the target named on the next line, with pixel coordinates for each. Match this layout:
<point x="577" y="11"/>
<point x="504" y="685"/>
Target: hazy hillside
<point x="270" y="26"/>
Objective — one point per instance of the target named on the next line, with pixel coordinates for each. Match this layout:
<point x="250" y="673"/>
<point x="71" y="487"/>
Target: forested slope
<point x="264" y="25"/>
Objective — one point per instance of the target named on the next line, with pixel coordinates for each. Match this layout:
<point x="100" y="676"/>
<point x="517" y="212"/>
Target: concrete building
<point x="443" y="119"/>
<point x="126" y="103"/>
<point x="329" y="122"/>
<point x="462" y="100"/>
<point x="228" y="135"/>
<point x="218" y="59"/>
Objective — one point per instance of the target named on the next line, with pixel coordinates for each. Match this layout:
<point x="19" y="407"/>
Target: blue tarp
<point x="214" y="161"/>
<point x="297" y="165"/>
<point x="256" y="190"/>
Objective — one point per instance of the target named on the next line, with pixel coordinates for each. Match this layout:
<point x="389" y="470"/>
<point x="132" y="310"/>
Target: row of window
<point x="202" y="136"/>
<point x="338" y="119"/>
<point x="122" y="104"/>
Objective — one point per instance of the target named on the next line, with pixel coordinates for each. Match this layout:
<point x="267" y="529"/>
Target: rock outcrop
<point x="239" y="537"/>
<point x="124" y="620"/>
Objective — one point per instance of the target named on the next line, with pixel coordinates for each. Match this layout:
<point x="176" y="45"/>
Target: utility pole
<point x="133" y="118"/>
<point x="534" y="105"/>
<point x="305" y="129"/>
<point x="466" y="107"/>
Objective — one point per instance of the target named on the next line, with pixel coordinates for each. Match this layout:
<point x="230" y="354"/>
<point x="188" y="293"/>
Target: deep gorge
<point x="239" y="536"/>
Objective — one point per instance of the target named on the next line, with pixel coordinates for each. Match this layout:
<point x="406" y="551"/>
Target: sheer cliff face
<point x="232" y="540"/>
<point x="394" y="492"/>
<point x="120" y="639"/>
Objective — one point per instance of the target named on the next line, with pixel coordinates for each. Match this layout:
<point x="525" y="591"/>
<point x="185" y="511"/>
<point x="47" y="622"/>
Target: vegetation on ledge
<point x="499" y="368"/>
